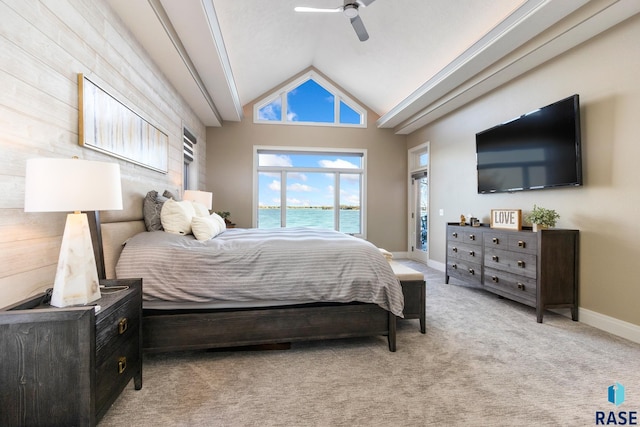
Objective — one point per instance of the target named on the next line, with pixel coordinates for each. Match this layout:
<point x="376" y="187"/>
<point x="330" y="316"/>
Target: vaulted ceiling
<point x="423" y="58"/>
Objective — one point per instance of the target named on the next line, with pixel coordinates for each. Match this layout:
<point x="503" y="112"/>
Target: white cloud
<point x="274" y="160"/>
<point x="275" y="185"/>
<point x="300" y="187"/>
<point x="272" y="111"/>
<point x="339" y="163"/>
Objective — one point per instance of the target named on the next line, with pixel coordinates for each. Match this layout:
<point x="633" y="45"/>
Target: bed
<point x="199" y="320"/>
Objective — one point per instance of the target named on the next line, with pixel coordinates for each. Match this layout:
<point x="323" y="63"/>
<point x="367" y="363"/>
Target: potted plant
<point x="542" y="218"/>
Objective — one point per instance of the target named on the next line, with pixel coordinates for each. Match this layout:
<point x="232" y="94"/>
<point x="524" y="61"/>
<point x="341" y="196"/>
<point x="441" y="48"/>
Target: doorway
<point x="419" y="203"/>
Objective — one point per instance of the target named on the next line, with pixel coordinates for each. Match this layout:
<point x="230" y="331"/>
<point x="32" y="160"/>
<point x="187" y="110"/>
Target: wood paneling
<point x="43" y="46"/>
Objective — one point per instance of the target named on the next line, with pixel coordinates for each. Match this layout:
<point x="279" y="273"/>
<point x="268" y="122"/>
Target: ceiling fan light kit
<point x="350" y="10"/>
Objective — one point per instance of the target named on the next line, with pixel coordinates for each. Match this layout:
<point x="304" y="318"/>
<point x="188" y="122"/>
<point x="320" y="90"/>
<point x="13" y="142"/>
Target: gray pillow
<point x="169" y="195"/>
<point x="151" y="209"/>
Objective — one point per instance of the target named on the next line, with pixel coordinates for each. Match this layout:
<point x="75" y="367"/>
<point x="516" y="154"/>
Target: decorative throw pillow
<point x="205" y="228"/>
<point x="201" y="210"/>
<point x="169" y="195"/>
<point x="176" y="216"/>
<point x="219" y="219"/>
<point x="151" y="208"/>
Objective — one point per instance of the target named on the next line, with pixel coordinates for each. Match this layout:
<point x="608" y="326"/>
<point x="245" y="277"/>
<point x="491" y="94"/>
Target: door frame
<point x="413" y="166"/>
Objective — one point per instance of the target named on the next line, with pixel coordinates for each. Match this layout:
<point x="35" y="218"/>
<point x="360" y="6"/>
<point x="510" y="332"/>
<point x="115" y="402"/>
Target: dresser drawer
<point x="522" y="242"/>
<point x="468" y="271"/>
<point x="466" y="235"/>
<point x="463" y="251"/>
<point x="518" y="288"/>
<point x="121" y="323"/>
<point x="512" y="262"/>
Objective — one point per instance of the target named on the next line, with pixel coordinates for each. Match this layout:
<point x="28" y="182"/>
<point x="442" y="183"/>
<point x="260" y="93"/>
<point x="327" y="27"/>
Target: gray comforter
<point x="289" y="265"/>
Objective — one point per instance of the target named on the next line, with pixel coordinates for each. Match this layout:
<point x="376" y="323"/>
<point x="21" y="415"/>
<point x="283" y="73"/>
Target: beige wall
<point x="43" y="46"/>
<point x="230" y="173"/>
<point x="604" y="72"/>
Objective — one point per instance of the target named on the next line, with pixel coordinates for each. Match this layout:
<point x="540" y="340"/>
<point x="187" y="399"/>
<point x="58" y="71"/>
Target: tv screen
<point x="540" y="149"/>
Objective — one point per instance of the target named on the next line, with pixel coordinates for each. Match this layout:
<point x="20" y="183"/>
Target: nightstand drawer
<point x="116" y="370"/>
<point x="117" y="326"/>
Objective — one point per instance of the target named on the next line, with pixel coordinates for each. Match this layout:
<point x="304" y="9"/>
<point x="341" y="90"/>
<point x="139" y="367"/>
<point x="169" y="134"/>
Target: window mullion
<point x="336" y="201"/>
<point x="283" y="198"/>
<point x="285" y="107"/>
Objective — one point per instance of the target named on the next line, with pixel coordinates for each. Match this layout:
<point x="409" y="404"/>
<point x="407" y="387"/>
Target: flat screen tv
<point x="537" y="150"/>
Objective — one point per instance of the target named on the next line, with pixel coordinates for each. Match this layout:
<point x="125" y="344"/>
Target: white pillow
<point x="205" y="228"/>
<point x="200" y="209"/>
<point x="218" y="218"/>
<point x="176" y="216"/>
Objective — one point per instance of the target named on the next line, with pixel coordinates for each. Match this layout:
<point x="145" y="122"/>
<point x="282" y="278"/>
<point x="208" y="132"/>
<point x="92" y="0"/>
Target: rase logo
<point x="615" y="395"/>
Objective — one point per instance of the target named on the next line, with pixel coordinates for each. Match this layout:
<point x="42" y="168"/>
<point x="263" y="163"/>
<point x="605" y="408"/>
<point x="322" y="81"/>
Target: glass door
<point x="419" y="203"/>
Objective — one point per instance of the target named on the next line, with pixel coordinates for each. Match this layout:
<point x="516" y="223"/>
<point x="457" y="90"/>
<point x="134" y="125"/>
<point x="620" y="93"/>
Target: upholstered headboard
<point x="111" y="229"/>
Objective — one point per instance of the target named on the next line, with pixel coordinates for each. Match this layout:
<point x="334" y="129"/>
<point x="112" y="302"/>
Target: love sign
<point x="509" y="219"/>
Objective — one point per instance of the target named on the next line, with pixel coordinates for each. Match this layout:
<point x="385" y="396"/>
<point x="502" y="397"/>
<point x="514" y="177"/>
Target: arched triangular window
<point x="310" y="99"/>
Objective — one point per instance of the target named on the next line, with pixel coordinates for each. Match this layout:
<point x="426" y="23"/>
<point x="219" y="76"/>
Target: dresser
<point x="66" y="366"/>
<point x="537" y="269"/>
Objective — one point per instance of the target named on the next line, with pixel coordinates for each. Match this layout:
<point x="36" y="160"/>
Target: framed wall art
<point x="508" y="219"/>
<point x="107" y="125"/>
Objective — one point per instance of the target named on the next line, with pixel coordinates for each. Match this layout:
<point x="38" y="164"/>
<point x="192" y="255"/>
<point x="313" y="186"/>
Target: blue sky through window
<point x="310" y="102"/>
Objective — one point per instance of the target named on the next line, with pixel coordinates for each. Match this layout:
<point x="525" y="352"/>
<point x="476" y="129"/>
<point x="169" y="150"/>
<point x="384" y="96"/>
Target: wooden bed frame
<point x="164" y="330"/>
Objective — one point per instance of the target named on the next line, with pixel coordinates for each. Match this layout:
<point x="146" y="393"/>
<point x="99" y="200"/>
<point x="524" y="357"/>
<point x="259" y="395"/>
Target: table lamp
<point x="65" y="185"/>
<point x="202" y="197"/>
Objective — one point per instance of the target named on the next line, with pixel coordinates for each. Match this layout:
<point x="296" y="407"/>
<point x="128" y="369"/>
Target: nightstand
<point x="66" y="366"/>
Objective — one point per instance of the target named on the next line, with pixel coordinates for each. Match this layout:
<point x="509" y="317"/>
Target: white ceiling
<point x="223" y="54"/>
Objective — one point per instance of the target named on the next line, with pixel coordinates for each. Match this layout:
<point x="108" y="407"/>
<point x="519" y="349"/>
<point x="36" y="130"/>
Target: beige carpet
<point x="483" y="362"/>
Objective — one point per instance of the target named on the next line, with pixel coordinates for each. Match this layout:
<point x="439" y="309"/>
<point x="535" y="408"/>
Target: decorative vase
<point x="537" y="227"/>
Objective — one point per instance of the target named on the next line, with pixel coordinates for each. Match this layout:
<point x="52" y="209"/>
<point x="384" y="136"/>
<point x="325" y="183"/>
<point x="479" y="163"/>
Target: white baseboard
<point x="610" y="324"/>
<point x="588" y="317"/>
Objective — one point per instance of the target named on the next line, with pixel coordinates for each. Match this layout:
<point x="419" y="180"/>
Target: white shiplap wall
<point x="43" y="46"/>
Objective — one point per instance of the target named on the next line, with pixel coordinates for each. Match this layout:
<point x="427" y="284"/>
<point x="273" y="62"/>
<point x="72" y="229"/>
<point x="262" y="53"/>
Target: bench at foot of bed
<point x="414" y="290"/>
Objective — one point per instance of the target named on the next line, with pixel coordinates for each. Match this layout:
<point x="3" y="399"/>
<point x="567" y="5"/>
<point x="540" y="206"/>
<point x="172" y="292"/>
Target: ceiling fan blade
<point x="358" y="25"/>
<point x="315" y="9"/>
<point x="365" y="2"/>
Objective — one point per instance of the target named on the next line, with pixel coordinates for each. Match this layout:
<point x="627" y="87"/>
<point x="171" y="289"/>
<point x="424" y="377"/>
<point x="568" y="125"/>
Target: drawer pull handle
<point x="454" y="249"/>
<point x="454" y="266"/>
<point x="472" y="236"/>
<point x="496" y="240"/>
<point x="494" y="279"/>
<point x="520" y="263"/>
<point x="471" y="271"/>
<point x="494" y="258"/>
<point x="123" y="324"/>
<point x="521" y="244"/>
<point x="454" y="235"/>
<point x="472" y="253"/>
<point x="122" y="364"/>
<point x="521" y="286"/>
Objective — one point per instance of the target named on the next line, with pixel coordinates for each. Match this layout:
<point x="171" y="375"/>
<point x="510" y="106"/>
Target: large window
<point x="188" y="155"/>
<point x="310" y="188"/>
<point x="310" y="99"/>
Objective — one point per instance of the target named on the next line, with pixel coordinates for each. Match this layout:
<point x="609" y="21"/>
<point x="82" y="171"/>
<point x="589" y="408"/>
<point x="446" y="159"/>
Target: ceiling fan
<point x="350" y="10"/>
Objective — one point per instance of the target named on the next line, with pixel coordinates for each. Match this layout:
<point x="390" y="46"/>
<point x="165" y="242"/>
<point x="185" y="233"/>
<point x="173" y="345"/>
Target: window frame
<point x="282" y="150"/>
<point x="338" y="95"/>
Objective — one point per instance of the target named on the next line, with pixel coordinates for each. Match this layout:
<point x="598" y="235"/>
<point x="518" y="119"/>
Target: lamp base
<point x="76" y="280"/>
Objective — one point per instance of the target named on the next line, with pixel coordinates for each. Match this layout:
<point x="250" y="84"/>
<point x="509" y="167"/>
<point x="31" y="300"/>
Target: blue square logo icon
<point x="616" y="394"/>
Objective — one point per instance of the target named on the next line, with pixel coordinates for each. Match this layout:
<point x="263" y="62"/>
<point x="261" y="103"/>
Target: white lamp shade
<point x="202" y="197"/>
<point x="66" y="185"/>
